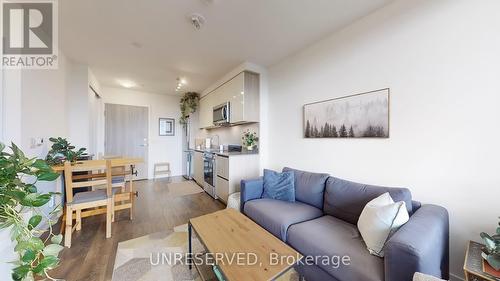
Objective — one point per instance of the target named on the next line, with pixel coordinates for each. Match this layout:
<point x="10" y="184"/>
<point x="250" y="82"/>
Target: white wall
<point x="161" y="148"/>
<point x="78" y="106"/>
<point x="33" y="106"/>
<point x="44" y="106"/>
<point x="441" y="60"/>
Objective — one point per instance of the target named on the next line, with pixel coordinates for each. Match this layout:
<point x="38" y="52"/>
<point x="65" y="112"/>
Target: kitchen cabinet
<point x="231" y="170"/>
<point x="242" y="93"/>
<point x="206" y="111"/>
<point x="198" y="167"/>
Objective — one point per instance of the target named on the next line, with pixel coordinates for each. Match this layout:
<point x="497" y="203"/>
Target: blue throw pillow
<point x="280" y="186"/>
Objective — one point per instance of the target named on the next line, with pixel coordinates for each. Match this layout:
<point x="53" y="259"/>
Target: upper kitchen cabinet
<point x="242" y="93"/>
<point x="206" y="111"/>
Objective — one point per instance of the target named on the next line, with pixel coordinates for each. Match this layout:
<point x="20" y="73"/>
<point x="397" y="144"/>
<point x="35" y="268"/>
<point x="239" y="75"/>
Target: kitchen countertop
<point x="229" y="153"/>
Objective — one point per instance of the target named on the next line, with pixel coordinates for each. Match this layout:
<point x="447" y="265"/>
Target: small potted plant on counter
<point x="250" y="139"/>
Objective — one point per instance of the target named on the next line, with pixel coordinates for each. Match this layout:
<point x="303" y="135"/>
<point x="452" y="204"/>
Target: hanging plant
<point x="189" y="104"/>
<point x="19" y="198"/>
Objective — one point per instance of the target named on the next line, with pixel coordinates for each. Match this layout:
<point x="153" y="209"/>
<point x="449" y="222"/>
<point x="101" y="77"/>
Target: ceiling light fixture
<point x="126" y="83"/>
<point x="180" y="82"/>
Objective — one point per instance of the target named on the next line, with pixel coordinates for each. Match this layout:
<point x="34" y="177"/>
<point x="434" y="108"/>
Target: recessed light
<point x="126" y="83"/>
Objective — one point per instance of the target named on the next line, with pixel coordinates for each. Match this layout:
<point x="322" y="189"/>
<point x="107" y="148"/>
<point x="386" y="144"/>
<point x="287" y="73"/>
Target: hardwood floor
<point x="91" y="256"/>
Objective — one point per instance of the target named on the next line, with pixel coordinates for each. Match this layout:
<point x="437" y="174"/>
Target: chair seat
<point x="120" y="179"/>
<point x="89" y="196"/>
<point x="328" y="236"/>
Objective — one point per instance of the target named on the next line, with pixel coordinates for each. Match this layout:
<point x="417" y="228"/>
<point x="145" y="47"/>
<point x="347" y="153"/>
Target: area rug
<point x="137" y="259"/>
<point x="183" y="188"/>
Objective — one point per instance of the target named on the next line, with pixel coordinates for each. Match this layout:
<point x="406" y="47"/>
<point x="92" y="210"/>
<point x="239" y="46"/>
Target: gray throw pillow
<point x="279" y="186"/>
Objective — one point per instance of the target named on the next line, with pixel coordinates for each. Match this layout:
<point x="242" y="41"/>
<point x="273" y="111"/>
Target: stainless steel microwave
<point x="221" y="114"/>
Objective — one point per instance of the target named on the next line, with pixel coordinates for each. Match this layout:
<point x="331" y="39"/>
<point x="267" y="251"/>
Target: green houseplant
<point x="250" y="139"/>
<point x="189" y="103"/>
<point x="62" y="150"/>
<point x="491" y="251"/>
<point x="19" y="198"/>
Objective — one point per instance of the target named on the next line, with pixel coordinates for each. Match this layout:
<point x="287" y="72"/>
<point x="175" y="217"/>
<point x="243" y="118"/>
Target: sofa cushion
<point x="276" y="215"/>
<point x="329" y="236"/>
<point x="346" y="200"/>
<point x="279" y="186"/>
<point x="309" y="187"/>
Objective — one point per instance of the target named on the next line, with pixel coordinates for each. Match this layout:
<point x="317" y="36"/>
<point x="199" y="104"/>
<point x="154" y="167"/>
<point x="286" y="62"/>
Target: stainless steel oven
<point x="209" y="174"/>
<point x="221" y="114"/>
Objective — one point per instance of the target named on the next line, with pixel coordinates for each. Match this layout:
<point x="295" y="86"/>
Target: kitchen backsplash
<point x="227" y="135"/>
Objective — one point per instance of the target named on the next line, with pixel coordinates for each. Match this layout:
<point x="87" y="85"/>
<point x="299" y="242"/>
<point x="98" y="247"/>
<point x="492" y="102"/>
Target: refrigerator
<point x="187" y="152"/>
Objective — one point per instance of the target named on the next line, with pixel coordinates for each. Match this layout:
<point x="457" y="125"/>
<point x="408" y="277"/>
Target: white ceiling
<point x="151" y="42"/>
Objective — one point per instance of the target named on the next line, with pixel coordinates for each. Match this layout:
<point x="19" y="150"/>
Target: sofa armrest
<point x="421" y="245"/>
<point x="250" y="190"/>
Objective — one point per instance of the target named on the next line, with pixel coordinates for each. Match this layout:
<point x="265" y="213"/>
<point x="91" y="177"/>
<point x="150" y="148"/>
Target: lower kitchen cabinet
<point x="231" y="170"/>
<point x="198" y="167"/>
<point x="222" y="189"/>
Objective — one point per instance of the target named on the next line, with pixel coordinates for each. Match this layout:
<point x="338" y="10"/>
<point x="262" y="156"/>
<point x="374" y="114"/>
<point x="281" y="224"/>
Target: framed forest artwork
<point x="364" y="115"/>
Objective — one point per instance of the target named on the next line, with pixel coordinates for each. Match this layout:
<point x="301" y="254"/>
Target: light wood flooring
<point x="91" y="256"/>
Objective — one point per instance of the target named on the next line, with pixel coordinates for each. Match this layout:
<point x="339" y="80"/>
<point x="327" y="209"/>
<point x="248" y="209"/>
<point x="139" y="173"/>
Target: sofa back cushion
<point x="345" y="199"/>
<point x="309" y="187"/>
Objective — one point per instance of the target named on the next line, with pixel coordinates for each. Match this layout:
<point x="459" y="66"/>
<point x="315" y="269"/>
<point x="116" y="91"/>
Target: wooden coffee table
<point x="228" y="232"/>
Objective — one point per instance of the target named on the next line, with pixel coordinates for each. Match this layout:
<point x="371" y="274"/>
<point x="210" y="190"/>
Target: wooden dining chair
<point x="99" y="201"/>
<point x="122" y="190"/>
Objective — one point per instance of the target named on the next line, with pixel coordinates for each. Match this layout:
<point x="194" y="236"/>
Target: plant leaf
<point x="48" y="176"/>
<point x="34" y="221"/>
<point x="48" y="262"/>
<point x="493" y="261"/>
<point x="28" y="256"/>
<point x="20" y="272"/>
<point x="35" y="244"/>
<point x="56" y="239"/>
<point x="52" y="250"/>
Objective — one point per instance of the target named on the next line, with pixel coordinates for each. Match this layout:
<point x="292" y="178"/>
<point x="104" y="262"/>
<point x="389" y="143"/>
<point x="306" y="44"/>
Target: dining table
<point x="115" y="163"/>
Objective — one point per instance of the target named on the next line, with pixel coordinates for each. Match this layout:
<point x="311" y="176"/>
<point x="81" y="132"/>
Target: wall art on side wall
<point x="364" y="115"/>
<point x="167" y="127"/>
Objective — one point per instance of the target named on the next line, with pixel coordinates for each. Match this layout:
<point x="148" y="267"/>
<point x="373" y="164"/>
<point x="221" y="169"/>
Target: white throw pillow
<point x="380" y="218"/>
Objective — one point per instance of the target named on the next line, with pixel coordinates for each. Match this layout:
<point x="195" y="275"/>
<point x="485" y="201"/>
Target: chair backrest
<point x="104" y="168"/>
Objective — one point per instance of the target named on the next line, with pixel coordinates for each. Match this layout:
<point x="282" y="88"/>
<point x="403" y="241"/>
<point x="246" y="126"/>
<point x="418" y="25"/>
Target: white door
<point x="126" y="134"/>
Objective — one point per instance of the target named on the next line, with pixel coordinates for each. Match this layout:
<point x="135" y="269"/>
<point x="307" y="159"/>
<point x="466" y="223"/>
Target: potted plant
<point x="189" y="104"/>
<point x="491" y="250"/>
<point x="19" y="198"/>
<point x="250" y="139"/>
<point x="62" y="150"/>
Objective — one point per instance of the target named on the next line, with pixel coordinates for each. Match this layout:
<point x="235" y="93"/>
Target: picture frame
<point x="364" y="115"/>
<point x="166" y="127"/>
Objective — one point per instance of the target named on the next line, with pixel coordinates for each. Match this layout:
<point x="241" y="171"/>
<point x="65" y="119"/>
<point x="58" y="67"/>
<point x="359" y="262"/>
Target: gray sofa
<point x="322" y="222"/>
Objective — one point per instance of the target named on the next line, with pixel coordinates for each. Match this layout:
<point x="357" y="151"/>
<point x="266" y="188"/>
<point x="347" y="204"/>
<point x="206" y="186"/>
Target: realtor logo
<point x="29" y="33"/>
